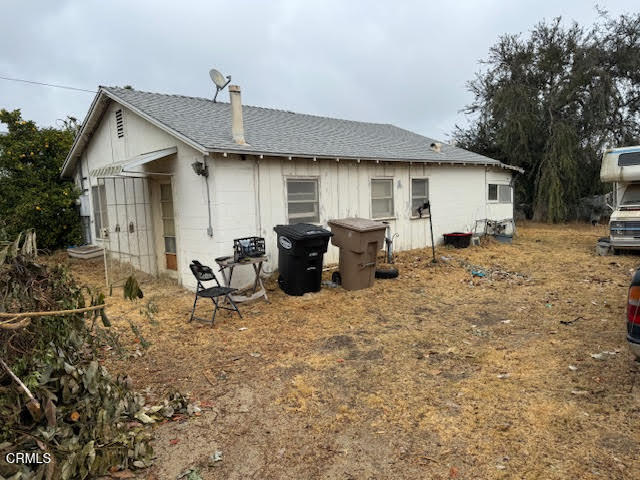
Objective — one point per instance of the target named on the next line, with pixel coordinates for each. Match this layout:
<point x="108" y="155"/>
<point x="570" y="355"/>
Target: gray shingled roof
<point x="279" y="132"/>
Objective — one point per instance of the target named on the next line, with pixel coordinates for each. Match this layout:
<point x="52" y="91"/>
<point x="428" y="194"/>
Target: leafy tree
<point x="552" y="102"/>
<point x="32" y="194"/>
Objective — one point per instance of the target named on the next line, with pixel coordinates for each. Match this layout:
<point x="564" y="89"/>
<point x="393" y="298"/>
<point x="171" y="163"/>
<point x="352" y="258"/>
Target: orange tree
<point x="32" y="194"/>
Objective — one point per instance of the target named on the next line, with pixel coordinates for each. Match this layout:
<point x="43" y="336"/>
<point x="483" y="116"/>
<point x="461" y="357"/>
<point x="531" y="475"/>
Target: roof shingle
<point x="280" y="132"/>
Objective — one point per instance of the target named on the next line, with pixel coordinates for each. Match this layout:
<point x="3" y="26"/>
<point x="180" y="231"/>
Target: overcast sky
<point x="403" y="62"/>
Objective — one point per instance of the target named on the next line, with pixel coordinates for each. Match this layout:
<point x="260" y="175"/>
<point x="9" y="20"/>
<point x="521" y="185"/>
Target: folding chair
<point x="205" y="274"/>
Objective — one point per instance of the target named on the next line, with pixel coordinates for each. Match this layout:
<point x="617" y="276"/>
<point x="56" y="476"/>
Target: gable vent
<point x="119" y="123"/>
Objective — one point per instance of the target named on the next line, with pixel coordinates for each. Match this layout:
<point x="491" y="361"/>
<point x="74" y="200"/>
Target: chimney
<point x="237" y="127"/>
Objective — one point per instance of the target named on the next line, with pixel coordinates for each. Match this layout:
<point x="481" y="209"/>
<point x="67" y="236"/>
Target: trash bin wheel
<point x="390" y="272"/>
<point x="336" y="278"/>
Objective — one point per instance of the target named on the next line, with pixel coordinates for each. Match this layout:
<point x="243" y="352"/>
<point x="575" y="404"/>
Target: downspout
<point x="206" y="181"/>
<point x="266" y="268"/>
<point x="256" y="186"/>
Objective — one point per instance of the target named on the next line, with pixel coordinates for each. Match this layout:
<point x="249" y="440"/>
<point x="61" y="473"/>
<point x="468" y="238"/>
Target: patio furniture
<point x="227" y="265"/>
<point x="205" y="274"/>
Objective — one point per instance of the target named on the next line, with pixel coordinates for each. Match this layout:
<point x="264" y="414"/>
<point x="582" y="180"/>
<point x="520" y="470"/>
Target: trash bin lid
<point x="302" y="231"/>
<point x="358" y="224"/>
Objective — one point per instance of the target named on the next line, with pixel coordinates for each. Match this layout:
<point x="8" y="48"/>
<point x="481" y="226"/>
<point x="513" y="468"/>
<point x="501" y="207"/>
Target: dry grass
<point x="434" y="375"/>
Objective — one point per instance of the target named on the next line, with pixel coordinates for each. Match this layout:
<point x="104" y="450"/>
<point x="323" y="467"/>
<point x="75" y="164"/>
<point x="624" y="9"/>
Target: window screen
<point x="382" y="198"/>
<point x="419" y="193"/>
<point x="504" y="193"/>
<point x="99" y="199"/>
<point x="302" y="201"/>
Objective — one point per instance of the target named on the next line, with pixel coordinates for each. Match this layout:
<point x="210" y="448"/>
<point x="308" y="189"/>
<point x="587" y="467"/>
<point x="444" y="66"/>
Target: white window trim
<point x="411" y="179"/>
<point x="393" y="198"/>
<point x="497" y="200"/>
<point x="286" y="194"/>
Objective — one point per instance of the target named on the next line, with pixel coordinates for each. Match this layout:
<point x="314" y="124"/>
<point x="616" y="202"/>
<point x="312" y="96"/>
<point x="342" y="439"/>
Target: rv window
<point x="626" y="159"/>
<point x="631" y="195"/>
<point x="382" y="198"/>
<point x="302" y="201"/>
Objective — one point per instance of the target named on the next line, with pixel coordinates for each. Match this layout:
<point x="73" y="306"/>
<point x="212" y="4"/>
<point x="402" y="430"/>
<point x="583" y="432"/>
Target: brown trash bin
<point x="359" y="240"/>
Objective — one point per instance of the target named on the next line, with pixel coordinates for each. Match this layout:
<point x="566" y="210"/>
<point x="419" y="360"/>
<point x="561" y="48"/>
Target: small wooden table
<point x="227" y="265"/>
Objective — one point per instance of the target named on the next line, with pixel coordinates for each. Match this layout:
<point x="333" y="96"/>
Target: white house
<point x="138" y="157"/>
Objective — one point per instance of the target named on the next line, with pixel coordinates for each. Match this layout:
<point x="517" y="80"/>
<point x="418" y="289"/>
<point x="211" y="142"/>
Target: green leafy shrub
<point x="32" y="194"/>
<point x="88" y="421"/>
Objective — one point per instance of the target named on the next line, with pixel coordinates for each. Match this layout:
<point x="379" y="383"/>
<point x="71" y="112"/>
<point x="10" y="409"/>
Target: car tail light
<point x="633" y="305"/>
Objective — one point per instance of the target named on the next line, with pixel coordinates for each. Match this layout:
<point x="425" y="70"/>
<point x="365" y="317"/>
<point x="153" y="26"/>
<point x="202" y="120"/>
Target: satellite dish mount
<point x="219" y="80"/>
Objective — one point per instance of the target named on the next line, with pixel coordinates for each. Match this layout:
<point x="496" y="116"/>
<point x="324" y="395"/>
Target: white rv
<point x="621" y="166"/>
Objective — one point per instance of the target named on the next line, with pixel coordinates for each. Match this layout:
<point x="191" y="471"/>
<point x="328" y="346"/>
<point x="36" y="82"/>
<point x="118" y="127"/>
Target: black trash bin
<point x="301" y="248"/>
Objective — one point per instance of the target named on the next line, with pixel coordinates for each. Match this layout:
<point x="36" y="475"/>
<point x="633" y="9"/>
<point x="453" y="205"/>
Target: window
<point x="627" y="159"/>
<point x="631" y="195"/>
<point x="419" y="194"/>
<point x="504" y="193"/>
<point x="382" y="197"/>
<point x="302" y="200"/>
<point x="168" y="223"/>
<point x="168" y="226"/>
<point x="493" y="192"/>
<point x="499" y="193"/>
<point x="100" y="219"/>
<point x="119" y="123"/>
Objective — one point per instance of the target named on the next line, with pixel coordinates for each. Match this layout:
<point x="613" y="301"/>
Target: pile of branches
<point x="55" y="397"/>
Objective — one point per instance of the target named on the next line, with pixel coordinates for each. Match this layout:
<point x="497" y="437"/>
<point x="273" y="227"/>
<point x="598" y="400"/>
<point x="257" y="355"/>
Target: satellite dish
<point x="219" y="80"/>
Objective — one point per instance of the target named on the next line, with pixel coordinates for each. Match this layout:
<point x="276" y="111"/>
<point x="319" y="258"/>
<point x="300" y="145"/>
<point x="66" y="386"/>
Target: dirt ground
<point x="437" y="374"/>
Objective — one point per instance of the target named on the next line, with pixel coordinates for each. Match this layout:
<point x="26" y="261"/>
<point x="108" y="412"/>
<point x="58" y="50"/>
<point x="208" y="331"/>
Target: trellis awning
<point x="127" y="166"/>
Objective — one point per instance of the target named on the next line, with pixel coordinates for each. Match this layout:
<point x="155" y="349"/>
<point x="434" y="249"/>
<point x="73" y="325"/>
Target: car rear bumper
<point x="634" y="345"/>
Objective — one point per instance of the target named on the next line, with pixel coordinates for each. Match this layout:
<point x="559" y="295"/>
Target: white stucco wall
<point x="248" y="195"/>
<point x="458" y="196"/>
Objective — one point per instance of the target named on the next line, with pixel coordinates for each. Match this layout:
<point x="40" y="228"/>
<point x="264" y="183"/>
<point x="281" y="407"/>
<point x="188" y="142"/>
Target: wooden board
<point x="172" y="261"/>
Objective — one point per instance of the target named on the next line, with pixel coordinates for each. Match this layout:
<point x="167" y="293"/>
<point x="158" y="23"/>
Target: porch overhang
<point x="127" y="167"/>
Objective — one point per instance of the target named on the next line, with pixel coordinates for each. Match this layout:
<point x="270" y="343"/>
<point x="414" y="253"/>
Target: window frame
<point x="392" y="215"/>
<point x="497" y="199"/>
<point x="316" y="202"/>
<point x="411" y="179"/>
<point x="172" y="218"/>
<point x="99" y="211"/>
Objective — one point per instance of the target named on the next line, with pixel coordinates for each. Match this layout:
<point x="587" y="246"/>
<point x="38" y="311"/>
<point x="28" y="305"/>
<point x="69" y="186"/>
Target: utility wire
<point x="46" y="84"/>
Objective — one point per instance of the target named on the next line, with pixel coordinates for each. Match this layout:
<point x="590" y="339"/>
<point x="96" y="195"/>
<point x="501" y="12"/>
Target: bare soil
<point x="436" y="374"/>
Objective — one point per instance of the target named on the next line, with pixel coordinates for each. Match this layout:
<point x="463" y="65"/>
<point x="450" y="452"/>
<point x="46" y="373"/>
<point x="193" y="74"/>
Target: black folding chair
<point x="205" y="274"/>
